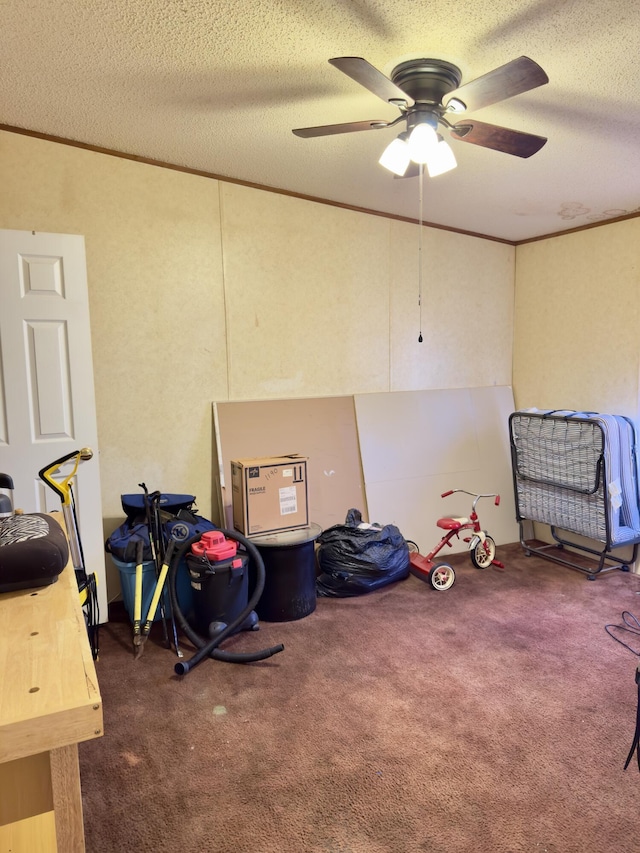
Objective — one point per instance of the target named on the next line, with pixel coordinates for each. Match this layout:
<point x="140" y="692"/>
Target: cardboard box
<point x="269" y="494"/>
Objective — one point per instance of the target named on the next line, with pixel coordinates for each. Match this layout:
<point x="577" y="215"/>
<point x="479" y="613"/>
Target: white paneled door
<point x="47" y="401"/>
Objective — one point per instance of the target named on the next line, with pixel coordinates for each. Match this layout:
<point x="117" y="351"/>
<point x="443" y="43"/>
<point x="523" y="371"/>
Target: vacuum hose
<point x="209" y="647"/>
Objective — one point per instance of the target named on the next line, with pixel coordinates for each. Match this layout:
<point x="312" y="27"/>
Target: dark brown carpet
<point x="493" y="717"/>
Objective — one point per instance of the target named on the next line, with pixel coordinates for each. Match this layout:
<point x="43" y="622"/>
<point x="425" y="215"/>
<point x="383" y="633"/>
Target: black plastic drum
<point x="290" y="574"/>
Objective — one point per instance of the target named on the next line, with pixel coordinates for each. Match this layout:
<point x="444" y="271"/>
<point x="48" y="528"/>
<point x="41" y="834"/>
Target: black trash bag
<point x="355" y="559"/>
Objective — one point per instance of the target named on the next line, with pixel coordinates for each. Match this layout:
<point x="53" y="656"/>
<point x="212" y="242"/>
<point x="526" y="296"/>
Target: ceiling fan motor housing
<point x="427" y="81"/>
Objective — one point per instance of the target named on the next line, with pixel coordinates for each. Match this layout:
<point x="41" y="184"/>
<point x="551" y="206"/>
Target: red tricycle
<point x="482" y="548"/>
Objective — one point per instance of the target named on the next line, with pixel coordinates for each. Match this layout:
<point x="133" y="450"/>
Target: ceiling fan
<point x="428" y="94"/>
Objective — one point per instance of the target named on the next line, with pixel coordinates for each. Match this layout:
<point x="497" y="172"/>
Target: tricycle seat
<point x="452" y="523"/>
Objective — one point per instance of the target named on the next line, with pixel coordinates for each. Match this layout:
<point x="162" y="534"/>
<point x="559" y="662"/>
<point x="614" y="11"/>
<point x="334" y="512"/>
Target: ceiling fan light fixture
<point x="395" y="156"/>
<point x="441" y="159"/>
<point x="422" y="140"/>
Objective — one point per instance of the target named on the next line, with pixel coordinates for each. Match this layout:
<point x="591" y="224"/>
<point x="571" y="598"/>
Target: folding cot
<point x="577" y="473"/>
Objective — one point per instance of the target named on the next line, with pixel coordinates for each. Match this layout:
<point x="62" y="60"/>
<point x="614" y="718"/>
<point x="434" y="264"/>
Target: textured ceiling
<point x="218" y="87"/>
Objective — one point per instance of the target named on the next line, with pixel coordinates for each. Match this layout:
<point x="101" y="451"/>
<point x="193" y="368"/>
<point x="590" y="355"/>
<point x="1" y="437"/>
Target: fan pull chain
<point x="421" y="176"/>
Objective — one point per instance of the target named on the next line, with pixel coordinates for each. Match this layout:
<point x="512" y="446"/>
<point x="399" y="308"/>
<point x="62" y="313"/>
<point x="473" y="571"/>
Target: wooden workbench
<point x="49" y="702"/>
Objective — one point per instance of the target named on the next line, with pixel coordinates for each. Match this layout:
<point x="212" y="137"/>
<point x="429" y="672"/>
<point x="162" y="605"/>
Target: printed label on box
<point x="288" y="500"/>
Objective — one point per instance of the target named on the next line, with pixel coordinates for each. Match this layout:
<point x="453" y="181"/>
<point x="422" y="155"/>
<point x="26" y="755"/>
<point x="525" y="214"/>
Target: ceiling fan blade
<point x="518" y="76"/>
<point x="375" y="81"/>
<point x="499" y="138"/>
<point x="348" y="127"/>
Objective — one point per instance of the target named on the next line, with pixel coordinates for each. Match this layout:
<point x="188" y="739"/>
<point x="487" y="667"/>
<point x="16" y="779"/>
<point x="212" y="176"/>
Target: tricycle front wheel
<point x="483" y="553"/>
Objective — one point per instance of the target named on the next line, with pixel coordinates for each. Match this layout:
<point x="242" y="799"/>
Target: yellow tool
<point x="141" y="632"/>
<point x="87" y="583"/>
<point x="137" y="598"/>
<point x="63" y="488"/>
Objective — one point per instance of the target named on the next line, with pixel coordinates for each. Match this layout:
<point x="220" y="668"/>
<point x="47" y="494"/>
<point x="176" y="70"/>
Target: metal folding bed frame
<point x="577" y="473"/>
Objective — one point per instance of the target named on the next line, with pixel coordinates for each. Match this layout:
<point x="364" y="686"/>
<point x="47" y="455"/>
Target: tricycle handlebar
<point x="473" y="495"/>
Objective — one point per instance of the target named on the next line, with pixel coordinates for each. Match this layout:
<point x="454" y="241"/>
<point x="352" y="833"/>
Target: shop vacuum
<point x="218" y="564"/>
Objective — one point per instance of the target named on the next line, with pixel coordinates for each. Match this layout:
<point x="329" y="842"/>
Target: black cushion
<point x="33" y="551"/>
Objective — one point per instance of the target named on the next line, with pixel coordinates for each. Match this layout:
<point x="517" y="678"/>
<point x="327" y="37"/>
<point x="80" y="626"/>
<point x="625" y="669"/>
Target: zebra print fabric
<point x="33" y="551"/>
<point x="22" y="528"/>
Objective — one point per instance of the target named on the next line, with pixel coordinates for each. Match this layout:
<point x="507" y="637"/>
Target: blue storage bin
<point x="128" y="580"/>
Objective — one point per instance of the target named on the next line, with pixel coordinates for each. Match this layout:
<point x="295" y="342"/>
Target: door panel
<point x="48" y="375"/>
<point x="47" y="401"/>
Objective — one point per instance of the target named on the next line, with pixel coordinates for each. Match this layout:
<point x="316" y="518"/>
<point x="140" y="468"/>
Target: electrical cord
<point x="88" y="583"/>
<point x="631" y="626"/>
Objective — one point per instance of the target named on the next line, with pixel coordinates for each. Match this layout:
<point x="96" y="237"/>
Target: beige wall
<point x="156" y="302"/>
<point x="577" y="332"/>
<point x="202" y="290"/>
